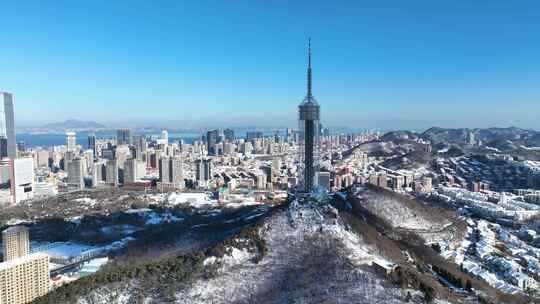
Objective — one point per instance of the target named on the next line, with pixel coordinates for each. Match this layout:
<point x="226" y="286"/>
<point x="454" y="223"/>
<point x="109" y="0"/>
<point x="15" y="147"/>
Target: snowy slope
<point x="311" y="258"/>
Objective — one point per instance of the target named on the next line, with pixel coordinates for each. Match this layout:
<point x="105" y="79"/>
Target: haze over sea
<point x="57" y="139"/>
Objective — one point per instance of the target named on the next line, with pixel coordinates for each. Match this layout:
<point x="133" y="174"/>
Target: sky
<point x="377" y="64"/>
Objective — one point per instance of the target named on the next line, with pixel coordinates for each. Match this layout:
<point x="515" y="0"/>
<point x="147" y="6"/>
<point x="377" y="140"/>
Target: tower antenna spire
<point x="309" y="69"/>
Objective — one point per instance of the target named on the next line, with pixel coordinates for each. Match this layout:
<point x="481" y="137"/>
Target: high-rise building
<point x="92" y="144"/>
<point x="308" y="120"/>
<point x="23" y="276"/>
<point x="88" y="159"/>
<point x="129" y="171"/>
<point x="163" y="169"/>
<point x="140" y="147"/>
<point x="170" y="172"/>
<point x="212" y="138"/>
<point x="71" y="141"/>
<point x="108" y="152"/>
<point x="111" y="176"/>
<point x="24" y="279"/>
<point x="42" y="158"/>
<point x="8" y="146"/>
<point x="122" y="153"/>
<point x="123" y="137"/>
<point x="23" y="169"/>
<point x="133" y="170"/>
<point x="203" y="170"/>
<point x="98" y="173"/>
<point x="165" y="137"/>
<point x="75" y="174"/>
<point x="21" y="146"/>
<point x="15" y="242"/>
<point x="228" y="134"/>
<point x="289" y="135"/>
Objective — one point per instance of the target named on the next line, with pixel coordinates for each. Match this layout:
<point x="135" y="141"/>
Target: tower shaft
<point x="308" y="121"/>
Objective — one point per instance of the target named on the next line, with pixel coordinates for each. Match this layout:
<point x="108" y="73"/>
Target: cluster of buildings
<point x="496" y="254"/>
<point x="359" y="168"/>
<point x="28" y="272"/>
<point x="266" y="165"/>
<point x="497" y="206"/>
<point x="16" y="173"/>
<point x="24" y="276"/>
<point x="298" y="160"/>
<point x="398" y="181"/>
<point x="496" y="172"/>
<point x="494" y="194"/>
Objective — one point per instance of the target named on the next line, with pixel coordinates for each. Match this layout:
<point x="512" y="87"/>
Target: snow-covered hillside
<point x="310" y="257"/>
<point x="407" y="214"/>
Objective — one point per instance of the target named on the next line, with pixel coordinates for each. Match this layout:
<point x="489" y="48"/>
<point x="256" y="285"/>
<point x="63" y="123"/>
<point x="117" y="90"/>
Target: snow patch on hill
<point x="113" y="294"/>
<point x="400" y="215"/>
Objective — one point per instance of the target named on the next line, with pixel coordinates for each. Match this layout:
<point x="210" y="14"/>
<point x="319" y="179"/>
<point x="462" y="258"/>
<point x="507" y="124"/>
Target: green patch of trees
<point x="451" y="278"/>
<point x="160" y="275"/>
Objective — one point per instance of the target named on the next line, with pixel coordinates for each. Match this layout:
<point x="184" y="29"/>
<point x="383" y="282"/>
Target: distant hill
<point x="399" y="136"/>
<point x="487" y="135"/>
<point x="73" y="124"/>
<point x="409" y="153"/>
<point x="412" y="160"/>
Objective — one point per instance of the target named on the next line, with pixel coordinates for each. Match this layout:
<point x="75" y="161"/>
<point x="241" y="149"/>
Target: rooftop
<point x="15" y="229"/>
<point x="22" y="260"/>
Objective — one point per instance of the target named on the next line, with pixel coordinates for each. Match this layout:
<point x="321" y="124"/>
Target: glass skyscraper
<point x="8" y="146"/>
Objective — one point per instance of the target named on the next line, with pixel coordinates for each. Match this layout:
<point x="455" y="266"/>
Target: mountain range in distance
<point x="461" y="135"/>
<point x="74" y="124"/>
<point x="433" y="134"/>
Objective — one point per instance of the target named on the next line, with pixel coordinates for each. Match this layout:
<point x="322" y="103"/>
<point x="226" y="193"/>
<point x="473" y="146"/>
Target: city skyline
<point x="213" y="152"/>
<point x="377" y="67"/>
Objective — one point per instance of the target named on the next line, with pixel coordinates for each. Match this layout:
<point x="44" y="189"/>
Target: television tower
<point x="308" y="121"/>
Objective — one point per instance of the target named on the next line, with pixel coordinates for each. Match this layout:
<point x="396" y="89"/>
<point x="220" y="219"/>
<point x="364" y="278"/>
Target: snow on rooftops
<point x="477" y="270"/>
<point x="487" y="239"/>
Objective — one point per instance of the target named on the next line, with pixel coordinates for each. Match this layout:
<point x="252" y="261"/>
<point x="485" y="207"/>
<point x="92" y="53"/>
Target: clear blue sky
<point x="384" y="64"/>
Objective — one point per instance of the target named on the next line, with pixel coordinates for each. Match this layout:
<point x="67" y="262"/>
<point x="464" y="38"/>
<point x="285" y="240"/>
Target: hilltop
<point x="305" y="251"/>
